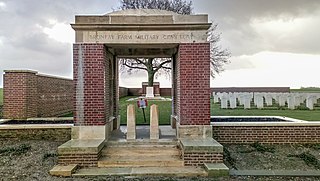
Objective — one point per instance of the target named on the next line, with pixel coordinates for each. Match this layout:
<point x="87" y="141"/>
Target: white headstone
<point x="224" y="100"/>
<point x="215" y="98"/>
<point x="247" y="101"/>
<point x="232" y="100"/>
<point x="290" y="100"/>
<point x="268" y="98"/>
<point x="259" y="101"/>
<point x="149" y="92"/>
<point x="282" y="99"/>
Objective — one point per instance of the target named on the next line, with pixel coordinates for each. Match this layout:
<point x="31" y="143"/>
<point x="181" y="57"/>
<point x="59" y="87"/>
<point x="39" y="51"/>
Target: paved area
<point x="143" y="133"/>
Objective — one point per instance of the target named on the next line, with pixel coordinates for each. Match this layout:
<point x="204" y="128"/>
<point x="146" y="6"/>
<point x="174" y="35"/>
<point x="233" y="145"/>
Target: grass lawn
<point x="163" y="106"/>
<point x="165" y="112"/>
<point x="1" y="96"/>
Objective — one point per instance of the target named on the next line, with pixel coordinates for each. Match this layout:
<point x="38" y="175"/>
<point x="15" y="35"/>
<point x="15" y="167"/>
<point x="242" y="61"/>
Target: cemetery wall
<point x="23" y="133"/>
<point x="250" y="89"/>
<point x="29" y="94"/>
<point x="123" y="92"/>
<point x="298" y="134"/>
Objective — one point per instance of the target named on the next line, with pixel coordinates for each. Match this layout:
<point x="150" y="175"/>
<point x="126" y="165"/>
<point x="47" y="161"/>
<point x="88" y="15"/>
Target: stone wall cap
<point x="264" y="124"/>
<point x="20" y="71"/>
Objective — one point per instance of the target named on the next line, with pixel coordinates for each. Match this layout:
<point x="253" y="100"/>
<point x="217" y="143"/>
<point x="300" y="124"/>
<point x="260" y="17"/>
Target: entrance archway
<point x="100" y="40"/>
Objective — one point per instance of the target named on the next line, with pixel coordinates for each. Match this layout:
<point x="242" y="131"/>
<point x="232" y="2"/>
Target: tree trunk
<point x="150" y="79"/>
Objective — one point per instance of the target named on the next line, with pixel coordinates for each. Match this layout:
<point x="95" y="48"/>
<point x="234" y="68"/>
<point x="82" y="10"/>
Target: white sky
<point x="273" y="43"/>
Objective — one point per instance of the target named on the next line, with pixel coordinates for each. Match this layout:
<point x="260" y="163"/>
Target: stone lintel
<point x="76" y="146"/>
<point x="208" y="145"/>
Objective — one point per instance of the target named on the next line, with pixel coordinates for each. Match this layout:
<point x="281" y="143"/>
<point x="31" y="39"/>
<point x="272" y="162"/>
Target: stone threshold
<point x="289" y="173"/>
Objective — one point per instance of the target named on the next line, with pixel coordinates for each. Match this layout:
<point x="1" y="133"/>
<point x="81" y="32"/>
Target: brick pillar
<point x="89" y="84"/>
<point x="193" y="73"/>
<point x="20" y="94"/>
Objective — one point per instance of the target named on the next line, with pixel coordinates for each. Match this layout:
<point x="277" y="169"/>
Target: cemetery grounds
<point x="32" y="159"/>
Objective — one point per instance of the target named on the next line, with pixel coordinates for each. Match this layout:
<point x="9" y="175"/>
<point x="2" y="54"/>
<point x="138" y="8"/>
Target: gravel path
<point x="31" y="161"/>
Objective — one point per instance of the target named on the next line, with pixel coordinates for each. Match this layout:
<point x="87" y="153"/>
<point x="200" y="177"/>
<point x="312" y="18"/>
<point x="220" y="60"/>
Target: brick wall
<point x="193" y="84"/>
<point x="267" y="134"/>
<point x="199" y="158"/>
<point x="28" y="94"/>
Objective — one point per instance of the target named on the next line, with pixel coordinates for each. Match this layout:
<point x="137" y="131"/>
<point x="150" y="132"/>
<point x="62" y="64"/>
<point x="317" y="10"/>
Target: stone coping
<point x="75" y="146"/>
<point x="200" y="145"/>
<point x="264" y="124"/>
<point x="278" y="117"/>
<point x="21" y="71"/>
<point x="36" y="126"/>
<point x="35" y="72"/>
<point x="51" y="119"/>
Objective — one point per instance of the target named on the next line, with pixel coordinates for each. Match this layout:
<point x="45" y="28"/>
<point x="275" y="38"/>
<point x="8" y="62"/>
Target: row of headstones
<point x="131" y="122"/>
<point x="244" y="98"/>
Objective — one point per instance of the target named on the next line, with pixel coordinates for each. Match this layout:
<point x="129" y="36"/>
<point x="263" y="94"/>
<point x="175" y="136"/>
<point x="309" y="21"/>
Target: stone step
<point x="140" y="161"/>
<point x="143" y="150"/>
<point x="143" y="171"/>
<point x="143" y="143"/>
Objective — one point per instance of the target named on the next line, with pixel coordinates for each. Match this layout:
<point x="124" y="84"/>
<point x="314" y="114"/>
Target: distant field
<point x="1" y="96"/>
<point x="308" y="89"/>
<point x="165" y="112"/>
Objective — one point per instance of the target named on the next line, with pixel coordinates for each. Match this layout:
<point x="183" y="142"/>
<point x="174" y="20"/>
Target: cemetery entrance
<point x="100" y="41"/>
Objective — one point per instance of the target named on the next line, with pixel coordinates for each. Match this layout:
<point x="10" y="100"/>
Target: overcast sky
<point x="273" y="43"/>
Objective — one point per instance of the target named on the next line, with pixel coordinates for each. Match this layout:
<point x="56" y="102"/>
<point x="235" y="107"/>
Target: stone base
<point x="197" y="152"/>
<point x="93" y="132"/>
<point x="63" y="170"/>
<point x="216" y="169"/>
<point x="82" y="152"/>
<point x="193" y="131"/>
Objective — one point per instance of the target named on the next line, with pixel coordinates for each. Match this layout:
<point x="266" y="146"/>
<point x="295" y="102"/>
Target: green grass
<point x="307" y="89"/>
<point x="165" y="112"/>
<point x="1" y="96"/>
<point x="163" y="106"/>
<point x="308" y="115"/>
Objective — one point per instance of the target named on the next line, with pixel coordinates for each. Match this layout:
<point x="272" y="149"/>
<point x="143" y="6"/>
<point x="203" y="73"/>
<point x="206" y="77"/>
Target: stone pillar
<point x="131" y="122"/>
<point x="193" y="72"/>
<point x="20" y="96"/>
<point x="193" y="85"/>
<point x="91" y="71"/>
<point x="154" y="122"/>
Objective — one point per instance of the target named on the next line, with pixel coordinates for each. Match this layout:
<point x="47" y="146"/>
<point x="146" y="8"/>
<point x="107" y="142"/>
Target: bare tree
<point x="158" y="66"/>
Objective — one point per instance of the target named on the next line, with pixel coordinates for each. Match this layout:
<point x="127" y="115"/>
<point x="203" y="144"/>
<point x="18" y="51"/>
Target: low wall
<point x="123" y="92"/>
<point x="35" y="132"/>
<point x="29" y="94"/>
<point x="269" y="133"/>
